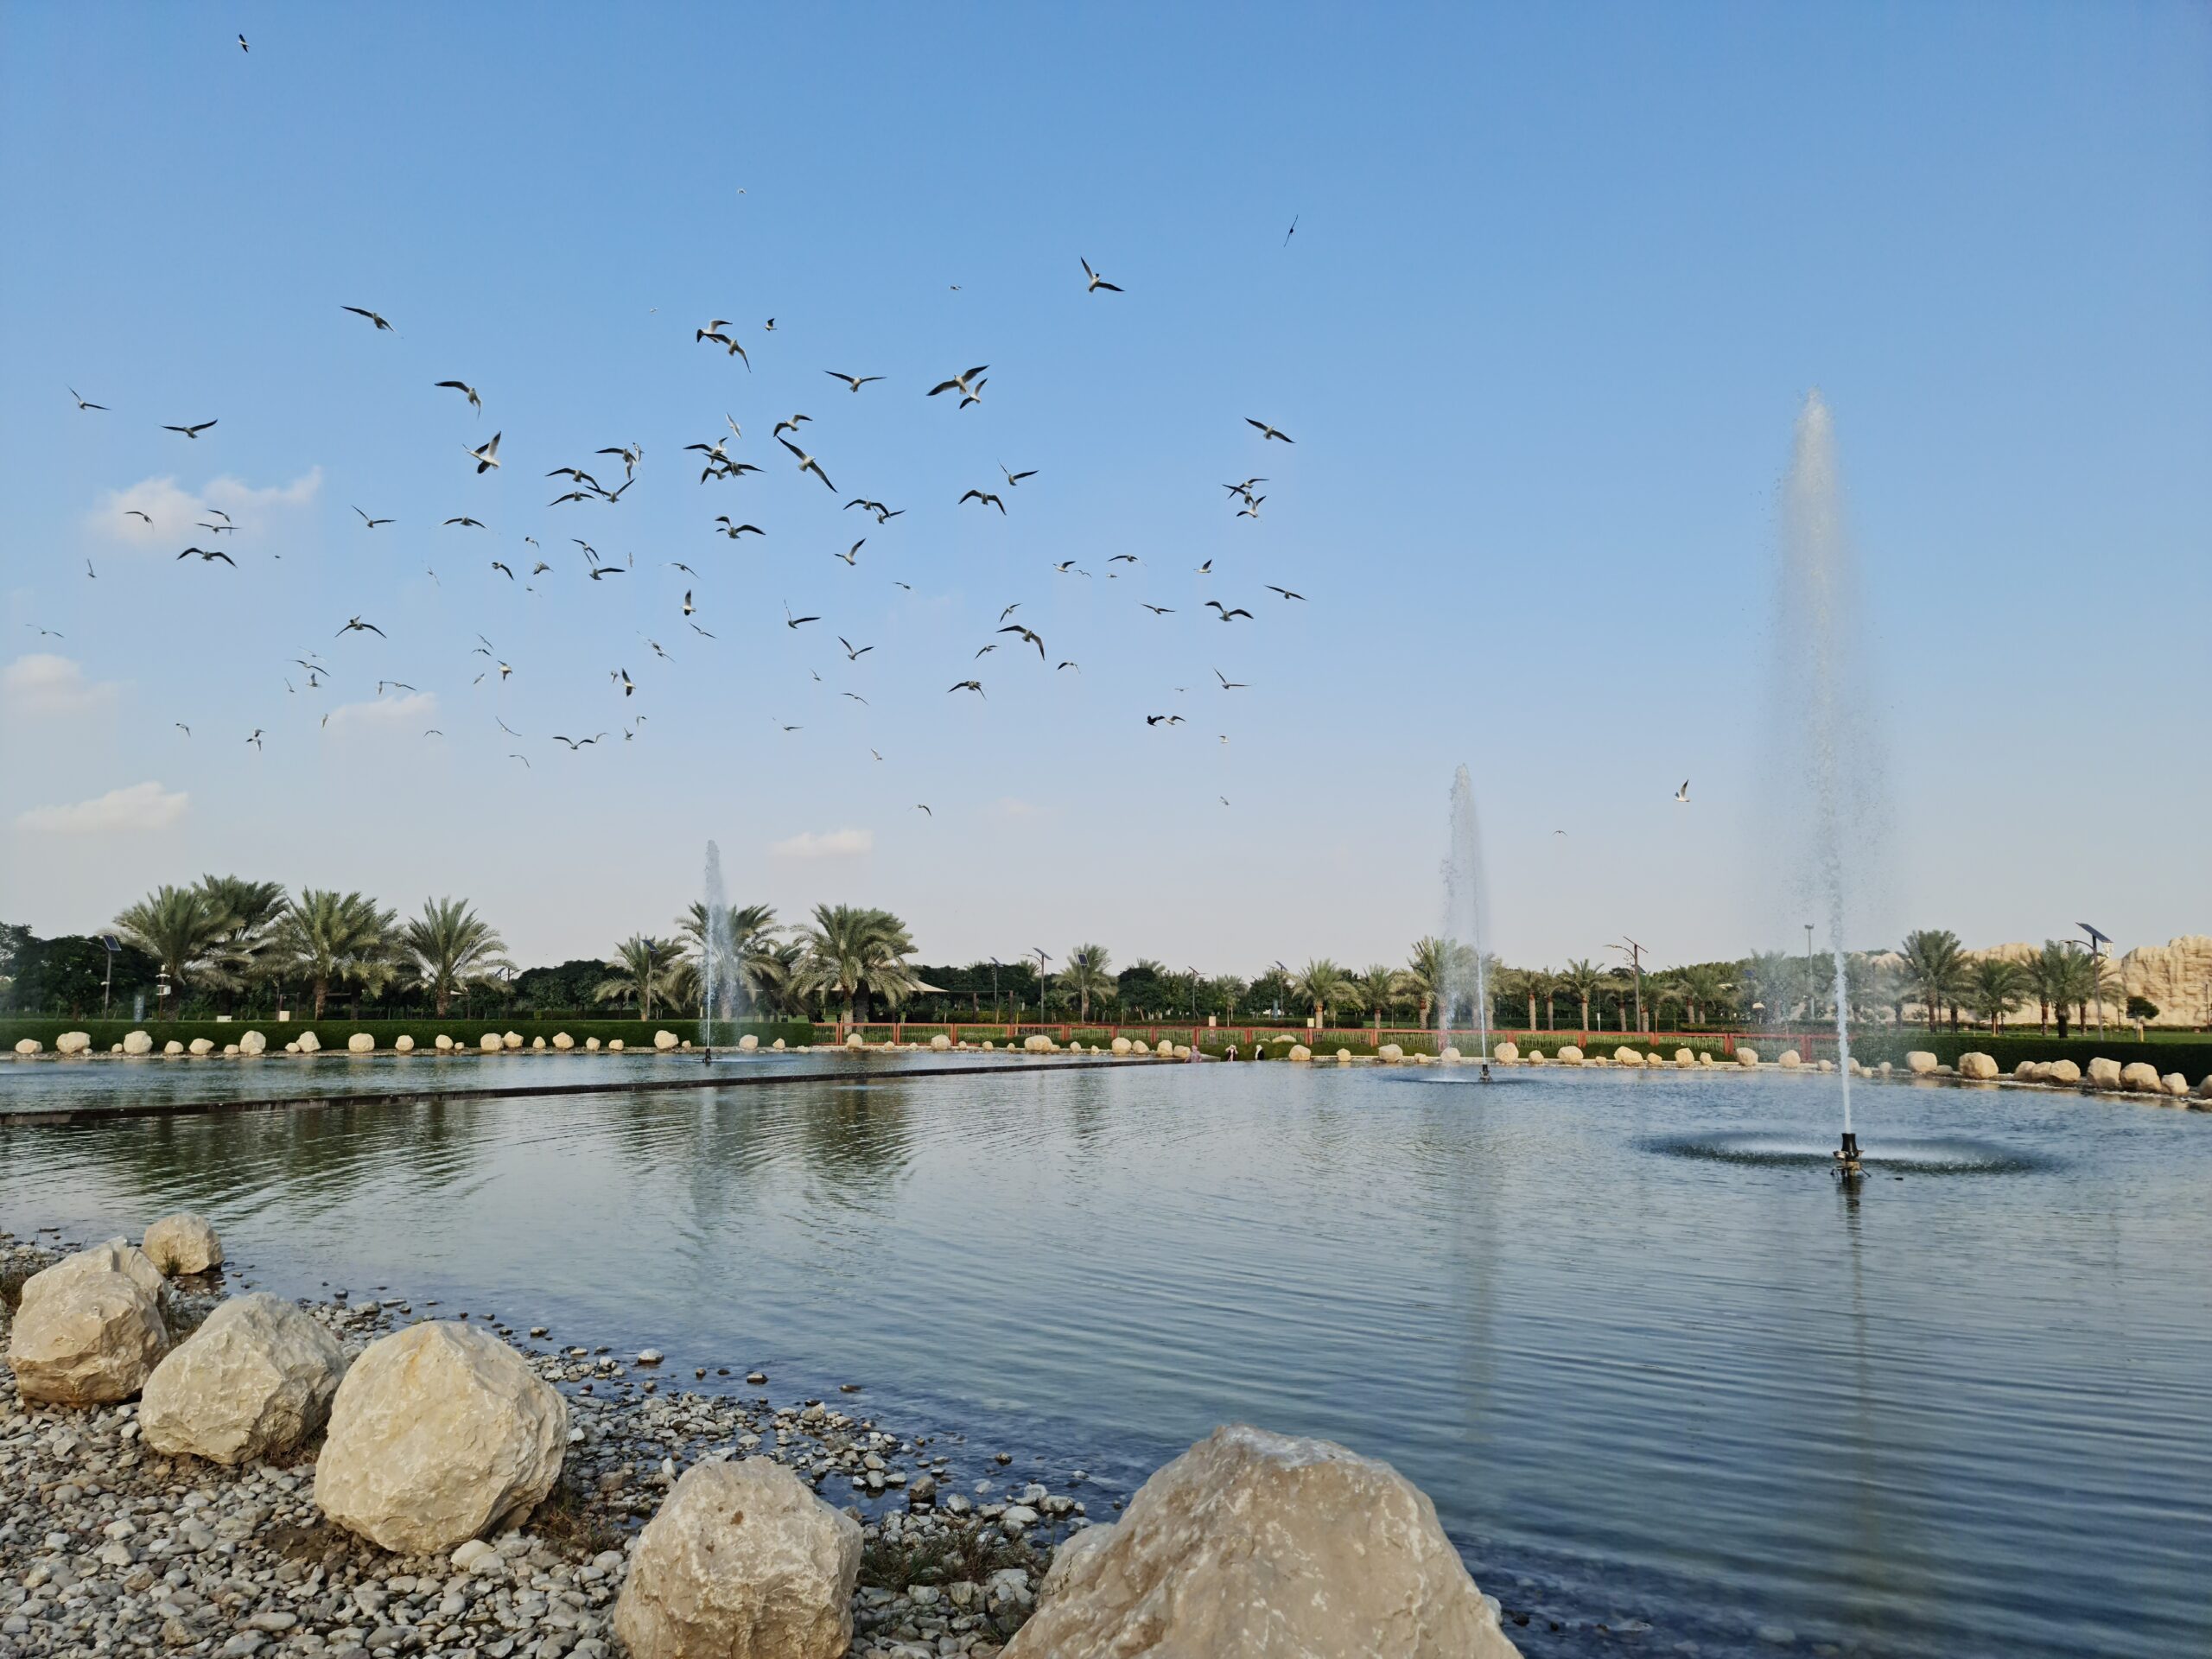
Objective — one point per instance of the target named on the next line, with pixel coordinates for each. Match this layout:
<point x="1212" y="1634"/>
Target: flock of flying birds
<point x="597" y="483"/>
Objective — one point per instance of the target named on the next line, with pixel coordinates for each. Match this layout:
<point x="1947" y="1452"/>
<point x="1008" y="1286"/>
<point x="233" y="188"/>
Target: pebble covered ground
<point x="105" y="1549"/>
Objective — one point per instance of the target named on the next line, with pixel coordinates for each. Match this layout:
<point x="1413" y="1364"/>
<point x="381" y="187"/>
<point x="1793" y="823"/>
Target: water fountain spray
<point x="1466" y="969"/>
<point x="1831" y="772"/>
<point x="719" y="981"/>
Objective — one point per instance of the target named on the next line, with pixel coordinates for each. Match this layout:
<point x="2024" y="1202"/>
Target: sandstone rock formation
<point x="308" y="1043"/>
<point x="137" y="1042"/>
<point x="1255" y="1546"/>
<point x="183" y="1242"/>
<point x="1920" y="1062"/>
<point x="252" y="1042"/>
<point x="1300" y="1051"/>
<point x="403" y="1044"/>
<point x="2104" y="1073"/>
<point x="2141" y="1079"/>
<point x="202" y="1045"/>
<point x="1507" y="1053"/>
<point x="439" y="1433"/>
<point x="71" y="1042"/>
<point x="1570" y="1054"/>
<point x="1746" y="1055"/>
<point x="89" y="1329"/>
<point x="490" y="1043"/>
<point x="255" y="1379"/>
<point x="665" y="1040"/>
<point x="361" y="1043"/>
<point x="742" y="1560"/>
<point x="1390" y="1053"/>
<point x="1981" y="1066"/>
<point x="563" y="1041"/>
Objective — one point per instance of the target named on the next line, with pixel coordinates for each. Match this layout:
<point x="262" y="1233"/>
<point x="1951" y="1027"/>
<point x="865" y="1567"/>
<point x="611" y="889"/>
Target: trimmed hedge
<point x="333" y="1033"/>
<point x="2192" y="1059"/>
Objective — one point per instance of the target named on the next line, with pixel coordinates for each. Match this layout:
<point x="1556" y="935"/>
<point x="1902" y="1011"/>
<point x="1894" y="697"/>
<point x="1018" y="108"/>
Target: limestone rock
<point x="941" y="1043"/>
<point x="539" y="1042"/>
<point x="2175" y="975"/>
<point x="614" y="1044"/>
<point x="439" y="1433"/>
<point x="1140" y="1046"/>
<point x="563" y="1041"/>
<point x="307" y="1042"/>
<point x="183" y="1242"/>
<point x="1982" y="1067"/>
<point x="1790" y="1059"/>
<point x="202" y="1045"/>
<point x="1507" y="1053"/>
<point x="1920" y="1062"/>
<point x="252" y="1042"/>
<point x="361" y="1043"/>
<point x="402" y="1044"/>
<point x="1120" y="1046"/>
<point x="1390" y="1052"/>
<point x="1683" y="1057"/>
<point x="1036" y="1043"/>
<point x="489" y="1042"/>
<point x="28" y="1045"/>
<point x="749" y="1043"/>
<point x="442" y="1043"/>
<point x="1300" y="1051"/>
<point x="2063" y="1071"/>
<point x="2176" y="1085"/>
<point x="854" y="1039"/>
<point x="1746" y="1055"/>
<point x="255" y="1380"/>
<point x="1451" y="1055"/>
<point x="1626" y="1056"/>
<point x="2141" y="1079"/>
<point x="1258" y="1546"/>
<point x="2104" y="1073"/>
<point x="513" y="1040"/>
<point x="2204" y="1089"/>
<point x="71" y="1042"/>
<point x="1570" y="1054"/>
<point x="1343" y="1056"/>
<point x="742" y="1561"/>
<point x="137" y="1042"/>
<point x="89" y="1329"/>
<point x="664" y="1040"/>
<point x="174" y="1048"/>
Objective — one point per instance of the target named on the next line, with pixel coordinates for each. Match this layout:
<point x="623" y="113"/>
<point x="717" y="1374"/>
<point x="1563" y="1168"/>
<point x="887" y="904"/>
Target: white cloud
<point x="386" y="714"/>
<point x="1012" y="807"/>
<point x="140" y="806"/>
<point x="173" y="513"/>
<point x="49" y="684"/>
<point x="830" y="843"/>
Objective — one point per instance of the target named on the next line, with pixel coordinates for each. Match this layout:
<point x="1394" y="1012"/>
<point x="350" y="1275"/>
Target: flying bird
<point x="1252" y="507"/>
<point x="1266" y="431"/>
<point x="133" y="512"/>
<point x="81" y="404"/>
<point x="1012" y="479"/>
<point x="849" y="555"/>
<point x="790" y="425"/>
<point x="1226" y="612"/>
<point x="466" y="391"/>
<point x="356" y="625"/>
<point x="1027" y="637"/>
<point x="181" y="726"/>
<point x="807" y="463"/>
<point x="1683" y="795"/>
<point x="465" y="520"/>
<point x="373" y="523"/>
<point x="359" y="311"/>
<point x="243" y="46"/>
<point x="1284" y="592"/>
<point x="735" y="530"/>
<point x="629" y="687"/>
<point x="1287" y="235"/>
<point x="190" y="431"/>
<point x="488" y="456"/>
<point x="503" y="571"/>
<point x="963" y="382"/>
<point x="790" y="621"/>
<point x="1096" y="281"/>
<point x="987" y="499"/>
<point x="1228" y="684"/>
<point x="256" y="738"/>
<point x="856" y="381"/>
<point x="1159" y="610"/>
<point x="977" y="686"/>
<point x="853" y="653"/>
<point x="206" y="554"/>
<point x="1076" y="666"/>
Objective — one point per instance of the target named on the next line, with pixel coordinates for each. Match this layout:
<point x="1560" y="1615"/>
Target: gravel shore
<point x="105" y="1549"/>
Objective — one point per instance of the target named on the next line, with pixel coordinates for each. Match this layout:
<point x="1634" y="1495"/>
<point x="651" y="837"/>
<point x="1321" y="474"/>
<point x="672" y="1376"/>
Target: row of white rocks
<point x="440" y="1434"/>
<point x="71" y="1044"/>
<point x="2103" y="1076"/>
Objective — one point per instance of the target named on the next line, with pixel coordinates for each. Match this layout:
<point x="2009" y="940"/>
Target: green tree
<point x="178" y="927"/>
<point x="1085" y="976"/>
<point x="448" y="947"/>
<point x="1322" y="986"/>
<point x="852" y="952"/>
<point x="326" y="938"/>
<point x="752" y="959"/>
<point x="1997" y="987"/>
<point x="642" y="969"/>
<point x="1381" y="986"/>
<point x="1428" y="974"/>
<point x="1583" y="980"/>
<point x="1706" y="987"/>
<point x="251" y="911"/>
<point x="1935" y="970"/>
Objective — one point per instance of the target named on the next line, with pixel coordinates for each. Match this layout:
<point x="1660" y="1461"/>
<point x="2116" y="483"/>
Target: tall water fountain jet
<point x="1466" y="969"/>
<point x="1825" y="764"/>
<point x="721" y="986"/>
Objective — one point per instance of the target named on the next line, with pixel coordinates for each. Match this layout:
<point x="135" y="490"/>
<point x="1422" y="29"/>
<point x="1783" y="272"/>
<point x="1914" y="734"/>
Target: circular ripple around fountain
<point x="1945" y="1156"/>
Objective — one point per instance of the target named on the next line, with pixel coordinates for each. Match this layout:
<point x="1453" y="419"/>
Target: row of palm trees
<point x="842" y="956"/>
<point x="2061" y="979"/>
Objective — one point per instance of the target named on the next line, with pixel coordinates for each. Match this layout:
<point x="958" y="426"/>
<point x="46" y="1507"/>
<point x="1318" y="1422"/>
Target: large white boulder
<point x="89" y="1329"/>
<point x="403" y="1044"/>
<point x="28" y="1045"/>
<point x="1258" y="1546"/>
<point x="1570" y="1054"/>
<point x="183" y="1243"/>
<point x="748" y="1044"/>
<point x="513" y="1040"/>
<point x="137" y="1042"/>
<point x="255" y="1379"/>
<point x="1920" y="1062"/>
<point x="202" y="1045"/>
<point x="743" y="1561"/>
<point x="1746" y="1055"/>
<point x="1981" y="1067"/>
<point x="2176" y="1085"/>
<point x="361" y="1043"/>
<point x="2104" y="1073"/>
<point x="943" y="1041"/>
<point x="173" y="1047"/>
<point x="2065" y="1072"/>
<point x="854" y="1039"/>
<point x="442" y="1043"/>
<point x="563" y="1041"/>
<point x="1300" y="1051"/>
<point x="1626" y="1056"/>
<point x="307" y="1042"/>
<point x="490" y="1042"/>
<point x="1790" y="1059"/>
<point x="1683" y="1057"/>
<point x="665" y="1040"/>
<point x="1390" y="1053"/>
<point x="69" y="1042"/>
<point x="1120" y="1046"/>
<point x="439" y="1433"/>
<point x="1507" y="1053"/>
<point x="252" y="1042"/>
<point x="2141" y="1079"/>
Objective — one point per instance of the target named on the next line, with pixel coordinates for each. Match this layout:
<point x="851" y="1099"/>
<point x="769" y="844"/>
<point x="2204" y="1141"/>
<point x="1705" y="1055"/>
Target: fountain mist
<point x="1825" y="763"/>
<point x="1466" y="969"/>
<point x="721" y="986"/>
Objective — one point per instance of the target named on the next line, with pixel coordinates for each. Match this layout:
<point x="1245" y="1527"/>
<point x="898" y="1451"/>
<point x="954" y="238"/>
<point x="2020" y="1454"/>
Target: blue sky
<point x="1561" y="281"/>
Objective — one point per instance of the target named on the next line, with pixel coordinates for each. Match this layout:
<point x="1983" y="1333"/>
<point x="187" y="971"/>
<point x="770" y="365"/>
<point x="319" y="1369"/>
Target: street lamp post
<point x="1634" y="952"/>
<point x="112" y="945"/>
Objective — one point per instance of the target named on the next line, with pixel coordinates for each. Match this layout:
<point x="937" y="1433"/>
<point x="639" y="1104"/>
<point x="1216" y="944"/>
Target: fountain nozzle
<point x="1847" y="1155"/>
<point x="1485" y="1076"/>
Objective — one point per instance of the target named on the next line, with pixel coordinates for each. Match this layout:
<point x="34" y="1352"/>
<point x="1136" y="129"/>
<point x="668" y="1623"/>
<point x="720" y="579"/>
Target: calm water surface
<point x="1653" y="1365"/>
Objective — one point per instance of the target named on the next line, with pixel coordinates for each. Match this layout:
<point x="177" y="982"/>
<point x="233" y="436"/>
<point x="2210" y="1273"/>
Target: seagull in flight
<point x="1252" y="508"/>
<point x="356" y="625"/>
<point x="1075" y="665"/>
<point x="1266" y="431"/>
<point x="1284" y="592"/>
<point x="488" y="456"/>
<point x="848" y="556"/>
<point x="1096" y="281"/>
<point x="735" y="530"/>
<point x="359" y="311"/>
<point x="1683" y="795"/>
<point x="790" y="621"/>
<point x="1287" y="235"/>
<point x="207" y="554"/>
<point x="181" y="726"/>
<point x="1027" y="637"/>
<point x="1226" y="613"/>
<point x="81" y="404"/>
<point x="466" y="391"/>
<point x="1012" y="479"/>
<point x="575" y="743"/>
<point x="790" y="425"/>
<point x="965" y="383"/>
<point x="856" y="381"/>
<point x="465" y="520"/>
<point x="1158" y="610"/>
<point x="1245" y="488"/>
<point x="1228" y="684"/>
<point x="256" y="738"/>
<point x="373" y="523"/>
<point x="807" y="463"/>
<point x="190" y="431"/>
<point x="987" y="499"/>
<point x="977" y="686"/>
<point x="923" y="806"/>
<point x="133" y="512"/>
<point x="243" y="46"/>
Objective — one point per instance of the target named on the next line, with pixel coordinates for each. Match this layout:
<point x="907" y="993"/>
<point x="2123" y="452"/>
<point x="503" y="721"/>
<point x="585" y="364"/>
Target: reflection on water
<point x="1650" y="1362"/>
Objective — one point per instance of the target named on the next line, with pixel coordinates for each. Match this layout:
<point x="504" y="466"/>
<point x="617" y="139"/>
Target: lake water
<point x="1654" y="1366"/>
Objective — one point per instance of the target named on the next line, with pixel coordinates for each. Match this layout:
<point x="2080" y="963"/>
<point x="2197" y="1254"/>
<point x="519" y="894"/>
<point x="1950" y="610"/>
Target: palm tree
<point x="1427" y="973"/>
<point x="751" y="960"/>
<point x="641" y="969"/>
<point x="1085" y="976"/>
<point x="1705" y="987"/>
<point x="1936" y="970"/>
<point x="250" y="910"/>
<point x="852" y="950"/>
<point x="1326" y="986"/>
<point x="1997" y="988"/>
<point x="449" y="947"/>
<point x="327" y="937"/>
<point x="1379" y="987"/>
<point x="179" y="928"/>
<point x="1583" y="979"/>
